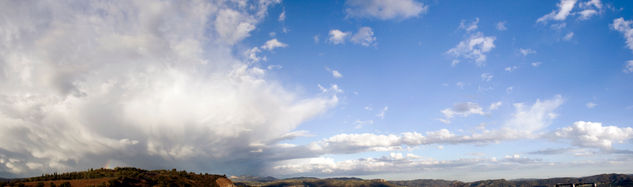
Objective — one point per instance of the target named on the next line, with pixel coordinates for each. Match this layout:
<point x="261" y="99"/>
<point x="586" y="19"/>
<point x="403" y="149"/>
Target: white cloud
<point x="474" y="48"/>
<point x="586" y="14"/>
<point x="558" y="26"/>
<point x="590" y="8"/>
<point x="501" y="26"/>
<point x="141" y="90"/>
<point x="252" y="54"/>
<point x="486" y="77"/>
<point x="364" y="36"/>
<point x="574" y="151"/>
<point x="593" y="134"/>
<point x="381" y="115"/>
<point x="564" y="8"/>
<point x="360" y="123"/>
<point x="624" y="27"/>
<point x="594" y="3"/>
<point x="445" y="121"/>
<point x="628" y="68"/>
<point x="525" y="123"/>
<point x="528" y="120"/>
<point x="338" y="36"/>
<point x="526" y="52"/>
<point x="495" y="106"/>
<point x="462" y="109"/>
<point x="355" y="143"/>
<point x="454" y="62"/>
<point x="316" y="39"/>
<point x="460" y="84"/>
<point x="511" y="68"/>
<point x="282" y="16"/>
<point x="272" y="44"/>
<point x="335" y="73"/>
<point x="233" y="26"/>
<point x="587" y="10"/>
<point x="368" y="108"/>
<point x="536" y="64"/>
<point x="396" y="162"/>
<point x="481" y="88"/>
<point x="385" y="9"/>
<point x="509" y="90"/>
<point x="591" y="105"/>
<point x="472" y="26"/>
<point x="332" y="89"/>
<point x="274" y="67"/>
<point x="568" y="36"/>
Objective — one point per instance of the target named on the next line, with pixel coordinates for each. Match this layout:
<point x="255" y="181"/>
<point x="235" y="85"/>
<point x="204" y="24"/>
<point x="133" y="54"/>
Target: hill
<point x="123" y="177"/>
<point x="427" y="183"/>
<point x="253" y="178"/>
<point x="304" y="181"/>
<point x="600" y="180"/>
<point x="140" y="177"/>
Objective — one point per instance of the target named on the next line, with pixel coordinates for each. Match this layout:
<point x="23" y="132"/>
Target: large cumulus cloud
<point x="152" y="84"/>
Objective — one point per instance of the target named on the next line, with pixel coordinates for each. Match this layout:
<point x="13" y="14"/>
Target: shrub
<point x="65" y="184"/>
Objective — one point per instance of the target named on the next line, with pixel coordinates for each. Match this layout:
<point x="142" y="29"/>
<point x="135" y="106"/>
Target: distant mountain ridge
<point x="253" y="178"/>
<point x="601" y="180"/>
<point x="610" y="180"/>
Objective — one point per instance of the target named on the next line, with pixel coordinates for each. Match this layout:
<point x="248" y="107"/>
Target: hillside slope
<point x="124" y="177"/>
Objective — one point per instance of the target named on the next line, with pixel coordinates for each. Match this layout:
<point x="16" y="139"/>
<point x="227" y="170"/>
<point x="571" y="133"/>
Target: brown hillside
<point x="76" y="182"/>
<point x="124" y="177"/>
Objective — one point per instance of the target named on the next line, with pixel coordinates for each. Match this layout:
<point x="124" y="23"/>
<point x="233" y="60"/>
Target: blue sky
<point x="402" y="89"/>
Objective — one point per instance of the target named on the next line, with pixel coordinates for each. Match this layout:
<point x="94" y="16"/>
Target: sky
<point x="399" y="89"/>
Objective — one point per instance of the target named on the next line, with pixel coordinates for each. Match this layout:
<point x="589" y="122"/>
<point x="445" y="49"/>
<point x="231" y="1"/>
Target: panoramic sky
<point x="398" y="89"/>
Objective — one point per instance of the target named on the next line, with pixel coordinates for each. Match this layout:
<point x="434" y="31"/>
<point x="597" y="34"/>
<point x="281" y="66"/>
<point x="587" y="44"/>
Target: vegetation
<point x="123" y="177"/>
<point x="428" y="183"/>
<point x="140" y="177"/>
<point x="600" y="180"/>
<point x="347" y="182"/>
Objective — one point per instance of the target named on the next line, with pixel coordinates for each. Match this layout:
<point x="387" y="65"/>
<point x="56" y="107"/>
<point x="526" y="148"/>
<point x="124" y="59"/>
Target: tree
<point x="65" y="184"/>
